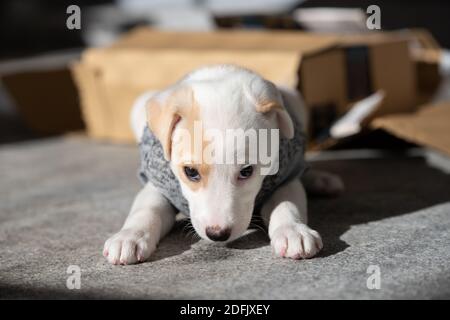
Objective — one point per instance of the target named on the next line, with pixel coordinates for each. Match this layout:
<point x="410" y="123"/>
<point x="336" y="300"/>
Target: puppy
<point x="221" y="197"/>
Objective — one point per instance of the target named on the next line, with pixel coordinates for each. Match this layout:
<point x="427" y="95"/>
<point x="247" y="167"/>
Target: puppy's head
<point x="210" y="127"/>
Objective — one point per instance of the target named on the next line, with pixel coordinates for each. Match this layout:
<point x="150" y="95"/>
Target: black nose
<point x="216" y="233"/>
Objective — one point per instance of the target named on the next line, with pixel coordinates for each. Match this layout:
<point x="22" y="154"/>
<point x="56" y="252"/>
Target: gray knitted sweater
<point x="156" y="169"/>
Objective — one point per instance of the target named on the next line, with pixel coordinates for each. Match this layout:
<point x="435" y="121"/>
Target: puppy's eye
<point x="245" y="172"/>
<point x="192" y="174"/>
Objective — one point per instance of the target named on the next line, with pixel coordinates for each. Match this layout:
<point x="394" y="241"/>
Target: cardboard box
<point x="331" y="71"/>
<point x="403" y="67"/>
<point x="110" y="79"/>
<point x="332" y="81"/>
<point x="44" y="92"/>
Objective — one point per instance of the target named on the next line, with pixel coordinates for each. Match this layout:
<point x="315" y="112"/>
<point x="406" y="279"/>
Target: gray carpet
<point x="61" y="198"/>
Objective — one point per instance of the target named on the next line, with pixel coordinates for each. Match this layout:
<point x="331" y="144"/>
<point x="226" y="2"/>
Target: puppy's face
<point x="201" y="126"/>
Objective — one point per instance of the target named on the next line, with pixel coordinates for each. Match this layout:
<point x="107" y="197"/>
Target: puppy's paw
<point x="323" y="183"/>
<point x="296" y="241"/>
<point x="129" y="246"/>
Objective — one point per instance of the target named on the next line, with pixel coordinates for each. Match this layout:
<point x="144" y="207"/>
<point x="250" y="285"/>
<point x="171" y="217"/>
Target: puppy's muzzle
<point x="216" y="233"/>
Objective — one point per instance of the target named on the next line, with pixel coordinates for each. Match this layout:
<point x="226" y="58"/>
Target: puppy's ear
<point x="266" y="98"/>
<point x="164" y="112"/>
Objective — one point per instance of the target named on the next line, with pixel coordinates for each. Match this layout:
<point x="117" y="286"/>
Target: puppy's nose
<point x="216" y="233"/>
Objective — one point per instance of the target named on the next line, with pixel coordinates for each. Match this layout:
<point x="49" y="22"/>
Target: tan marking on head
<point x="267" y="106"/>
<point x="180" y="109"/>
<point x="164" y="116"/>
<point x="190" y="115"/>
<point x="203" y="169"/>
<point x="185" y="148"/>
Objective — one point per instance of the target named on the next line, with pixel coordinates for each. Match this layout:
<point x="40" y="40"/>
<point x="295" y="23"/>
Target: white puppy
<point x="221" y="198"/>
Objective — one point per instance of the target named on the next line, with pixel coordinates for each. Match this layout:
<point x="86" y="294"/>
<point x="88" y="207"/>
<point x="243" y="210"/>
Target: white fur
<point x="221" y="90"/>
<point x="138" y="117"/>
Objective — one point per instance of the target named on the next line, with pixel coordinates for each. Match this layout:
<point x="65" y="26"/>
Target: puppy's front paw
<point x="129" y="246"/>
<point x="296" y="241"/>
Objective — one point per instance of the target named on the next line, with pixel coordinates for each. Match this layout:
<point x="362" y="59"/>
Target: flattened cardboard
<point x="427" y="56"/>
<point x="430" y="126"/>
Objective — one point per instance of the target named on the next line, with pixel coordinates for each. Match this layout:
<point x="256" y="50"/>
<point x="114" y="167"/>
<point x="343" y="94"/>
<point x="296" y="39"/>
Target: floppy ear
<point x="267" y="98"/>
<point x="163" y="114"/>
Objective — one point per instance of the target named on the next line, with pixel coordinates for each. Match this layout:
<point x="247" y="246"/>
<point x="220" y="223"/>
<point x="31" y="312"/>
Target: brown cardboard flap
<point x="430" y="126"/>
<point x="427" y="47"/>
<point x="427" y="56"/>
<point x="156" y="69"/>
<point x="322" y="79"/>
<point x="393" y="72"/>
<point x="95" y="116"/>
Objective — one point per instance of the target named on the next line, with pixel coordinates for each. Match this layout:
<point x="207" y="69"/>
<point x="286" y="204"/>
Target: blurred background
<point x="37" y="26"/>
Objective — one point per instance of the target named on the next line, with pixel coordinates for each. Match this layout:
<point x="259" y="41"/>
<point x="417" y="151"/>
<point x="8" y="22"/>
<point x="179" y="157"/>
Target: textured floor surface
<point x="61" y="198"/>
